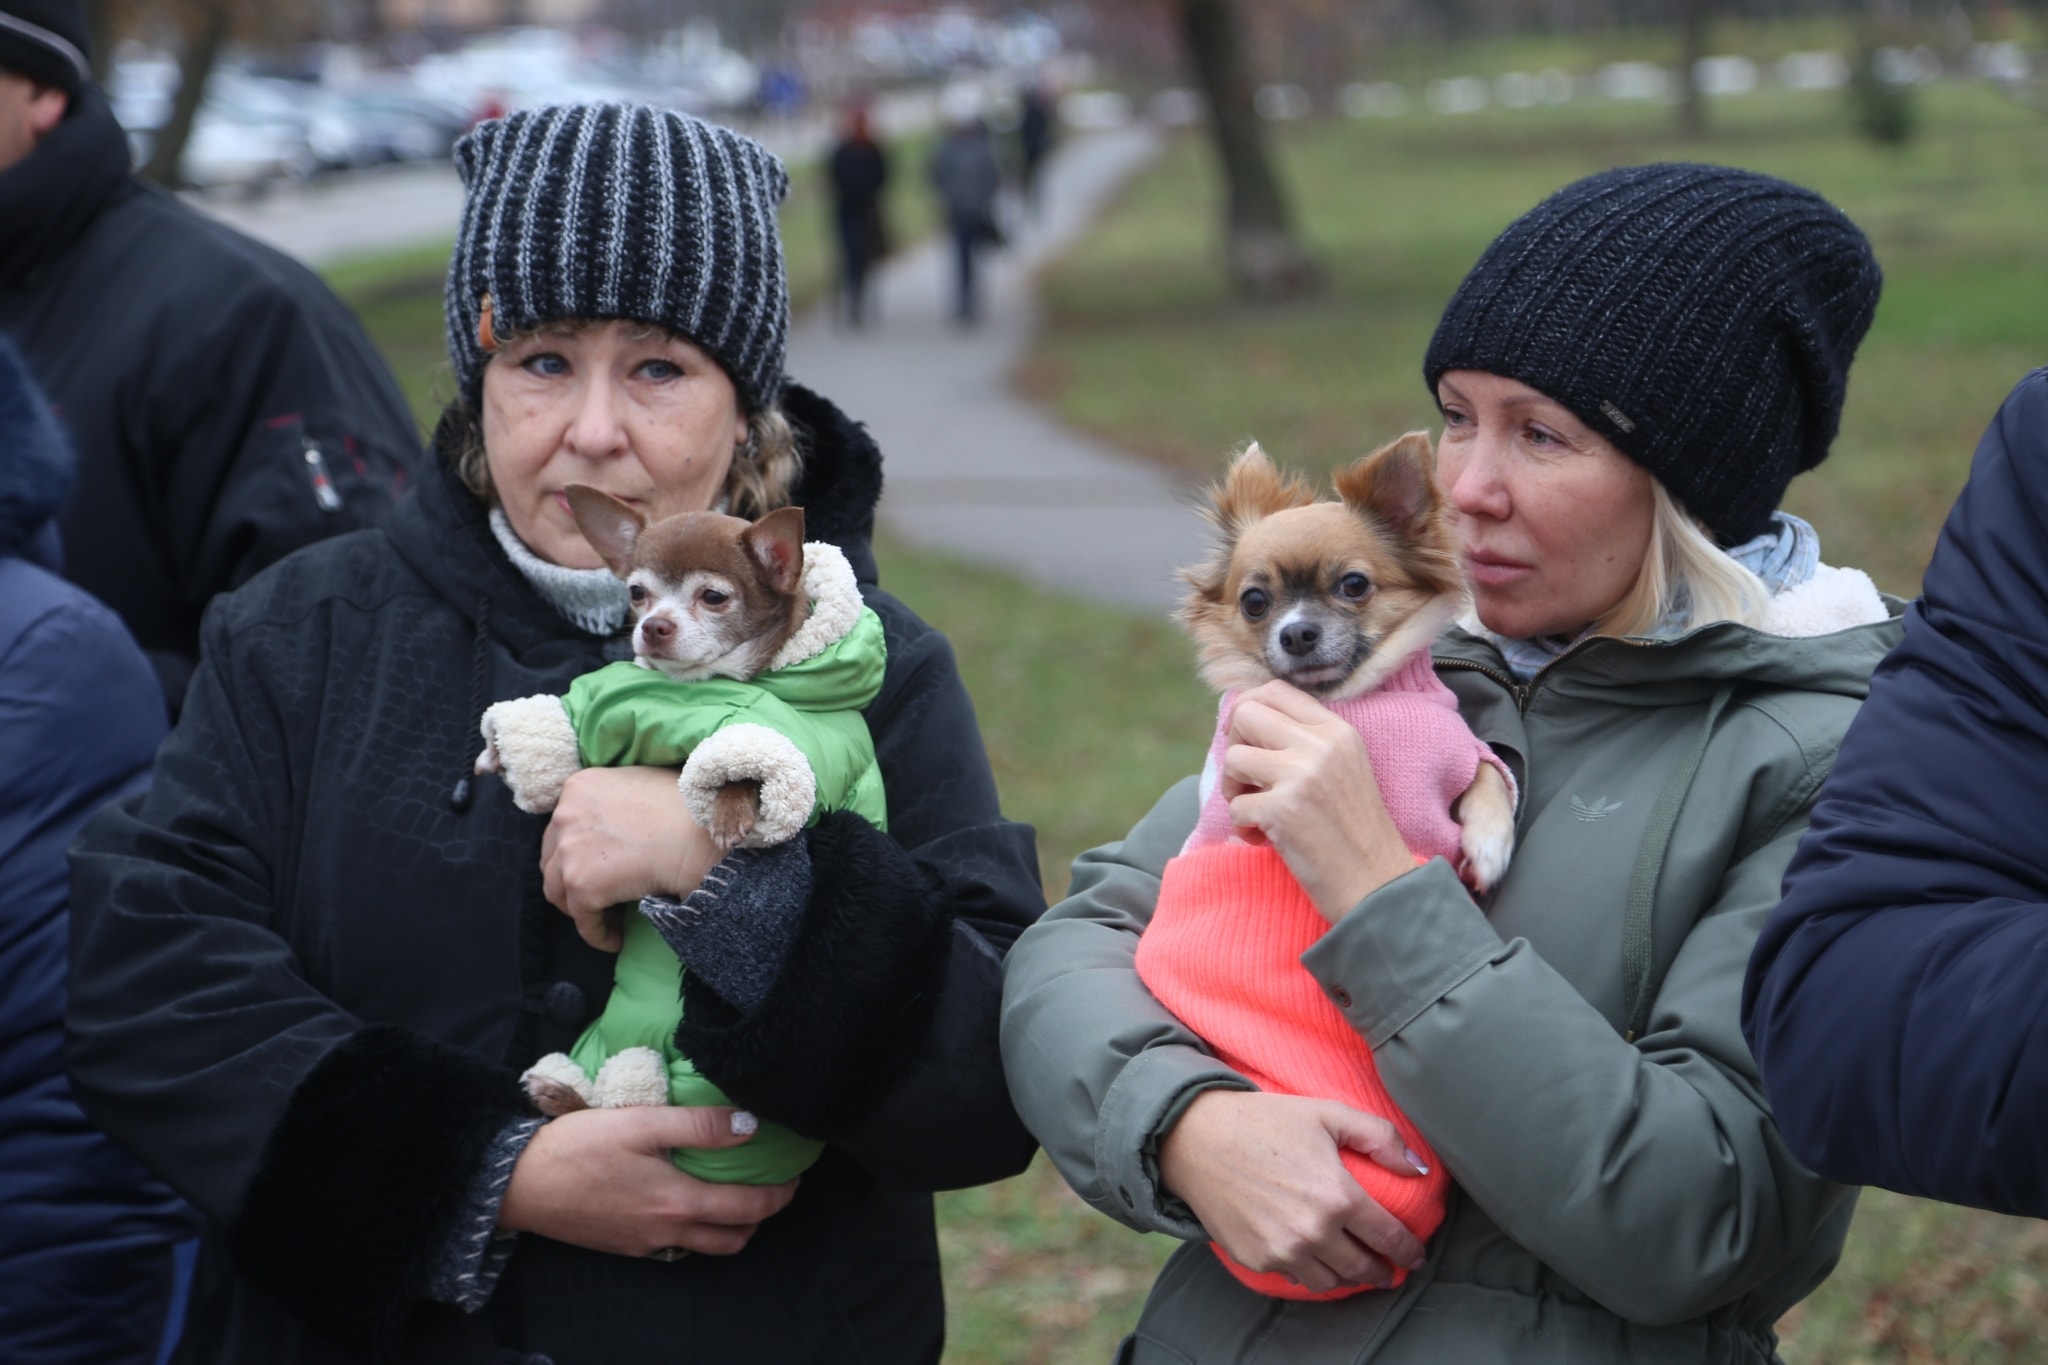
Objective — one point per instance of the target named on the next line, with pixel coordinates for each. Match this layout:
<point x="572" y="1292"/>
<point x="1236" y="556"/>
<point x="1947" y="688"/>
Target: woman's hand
<point x="602" y="1179"/>
<point x="619" y="834"/>
<point x="1261" y="1172"/>
<point x="1300" y="776"/>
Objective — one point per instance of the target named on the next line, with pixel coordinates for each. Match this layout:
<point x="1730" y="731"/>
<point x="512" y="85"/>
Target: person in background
<point x="1034" y="141"/>
<point x="225" y="406"/>
<point x="313" y="960"/>
<point x="858" y="170"/>
<point x="87" y="1236"/>
<point x="963" y="169"/>
<point x="1895" y="998"/>
<point x="1662" y="658"/>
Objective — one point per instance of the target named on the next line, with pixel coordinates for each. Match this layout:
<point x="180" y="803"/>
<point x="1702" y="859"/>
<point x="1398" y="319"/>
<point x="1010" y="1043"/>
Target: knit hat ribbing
<point x="47" y="41"/>
<point x="1699" y="317"/>
<point x="622" y="211"/>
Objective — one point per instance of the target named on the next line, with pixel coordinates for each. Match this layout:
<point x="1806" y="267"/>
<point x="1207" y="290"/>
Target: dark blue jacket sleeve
<point x="85" y="1232"/>
<point x="1896" y="1001"/>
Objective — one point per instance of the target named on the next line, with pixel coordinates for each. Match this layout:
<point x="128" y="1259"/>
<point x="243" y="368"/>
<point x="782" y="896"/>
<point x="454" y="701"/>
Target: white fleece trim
<point x="753" y="753"/>
<point x="835" y="605"/>
<point x="1833" y="599"/>
<point x="631" y="1078"/>
<point x="533" y="745"/>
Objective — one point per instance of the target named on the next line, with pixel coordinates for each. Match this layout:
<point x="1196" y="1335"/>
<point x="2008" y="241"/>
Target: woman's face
<point x="1556" y="521"/>
<point x="644" y="416"/>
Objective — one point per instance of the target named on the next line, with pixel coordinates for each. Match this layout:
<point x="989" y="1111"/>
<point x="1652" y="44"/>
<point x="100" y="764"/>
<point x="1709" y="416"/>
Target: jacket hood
<point x="36" y="463"/>
<point x="1691" y="666"/>
<point x="443" y="530"/>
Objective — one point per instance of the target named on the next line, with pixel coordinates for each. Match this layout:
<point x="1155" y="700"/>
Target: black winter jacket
<point x="306" y="978"/>
<point x="1894" y="1001"/>
<point x="225" y="406"/>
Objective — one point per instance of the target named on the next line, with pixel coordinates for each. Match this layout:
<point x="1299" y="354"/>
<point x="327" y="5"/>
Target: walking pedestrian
<point x="963" y="169"/>
<point x="858" y="170"/>
<point x="225" y="406"/>
<point x="1035" y="136"/>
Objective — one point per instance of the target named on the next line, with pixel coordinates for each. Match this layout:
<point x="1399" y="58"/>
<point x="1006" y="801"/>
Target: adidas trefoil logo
<point x="1599" y="809"/>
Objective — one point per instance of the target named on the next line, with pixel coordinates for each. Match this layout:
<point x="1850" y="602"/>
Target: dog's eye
<point x="637" y="593"/>
<point x="712" y="597"/>
<point x="1254" y="603"/>
<point x="1354" y="585"/>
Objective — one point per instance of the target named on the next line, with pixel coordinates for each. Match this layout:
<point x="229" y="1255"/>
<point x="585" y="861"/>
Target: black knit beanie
<point x="621" y="211"/>
<point x="1701" y="318"/>
<point x="46" y="41"/>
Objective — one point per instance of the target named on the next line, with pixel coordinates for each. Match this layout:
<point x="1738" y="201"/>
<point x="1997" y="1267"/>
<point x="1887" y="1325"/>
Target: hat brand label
<point x="1617" y="416"/>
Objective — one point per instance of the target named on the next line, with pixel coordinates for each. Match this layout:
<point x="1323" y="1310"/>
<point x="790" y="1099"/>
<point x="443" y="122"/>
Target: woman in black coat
<point x="311" y="963"/>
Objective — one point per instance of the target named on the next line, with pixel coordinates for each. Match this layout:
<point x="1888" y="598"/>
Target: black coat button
<point x="566" y="1004"/>
<point x="1341" y="996"/>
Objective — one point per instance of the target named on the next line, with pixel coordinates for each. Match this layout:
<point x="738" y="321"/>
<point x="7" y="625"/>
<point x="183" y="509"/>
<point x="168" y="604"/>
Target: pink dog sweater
<point x="1223" y="950"/>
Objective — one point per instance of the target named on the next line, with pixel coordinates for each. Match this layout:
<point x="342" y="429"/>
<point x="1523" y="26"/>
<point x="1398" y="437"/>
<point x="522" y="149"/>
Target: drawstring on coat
<point x="1638" y="936"/>
<point x="464" y="794"/>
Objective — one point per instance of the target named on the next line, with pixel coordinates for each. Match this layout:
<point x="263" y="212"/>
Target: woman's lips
<point x="1494" y="571"/>
<point x="561" y="499"/>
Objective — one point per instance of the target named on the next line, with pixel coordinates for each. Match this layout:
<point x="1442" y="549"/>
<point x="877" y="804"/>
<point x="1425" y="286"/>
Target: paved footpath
<point x="970" y="469"/>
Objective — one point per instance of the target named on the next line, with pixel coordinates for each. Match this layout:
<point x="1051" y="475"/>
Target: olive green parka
<point x="1571" y="1048"/>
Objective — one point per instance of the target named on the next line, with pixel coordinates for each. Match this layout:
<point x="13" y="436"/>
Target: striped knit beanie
<point x="621" y="211"/>
<point x="1700" y="318"/>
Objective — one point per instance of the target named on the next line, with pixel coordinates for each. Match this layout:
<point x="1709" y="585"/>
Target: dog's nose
<point x="1300" y="637"/>
<point x="658" y="630"/>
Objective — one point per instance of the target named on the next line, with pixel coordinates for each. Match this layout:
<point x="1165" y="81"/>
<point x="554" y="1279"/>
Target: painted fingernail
<point x="1415" y="1161"/>
<point x="1421" y="1260"/>
<point x="744" y="1124"/>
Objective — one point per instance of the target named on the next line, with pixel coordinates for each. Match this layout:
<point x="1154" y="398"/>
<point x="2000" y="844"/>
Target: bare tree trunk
<point x="1692" y="49"/>
<point x="202" y="48"/>
<point x="99" y="24"/>
<point x="1265" y="259"/>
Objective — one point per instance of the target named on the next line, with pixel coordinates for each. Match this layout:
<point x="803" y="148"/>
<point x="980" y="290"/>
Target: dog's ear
<point x="609" y="524"/>
<point x="776" y="545"/>
<point x="1251" y="490"/>
<point x="1396" y="484"/>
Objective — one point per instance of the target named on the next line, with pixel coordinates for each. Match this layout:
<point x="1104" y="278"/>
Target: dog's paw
<point x="633" y="1077"/>
<point x="1486" y="857"/>
<point x="734" y="813"/>
<point x="557" y="1086"/>
<point x="1486" y="832"/>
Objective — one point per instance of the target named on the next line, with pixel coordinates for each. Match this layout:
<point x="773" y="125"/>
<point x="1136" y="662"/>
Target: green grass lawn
<point x="1145" y="347"/>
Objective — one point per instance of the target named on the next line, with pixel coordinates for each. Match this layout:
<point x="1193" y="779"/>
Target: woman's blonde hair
<point x="1683" y="567"/>
<point x="765" y="466"/>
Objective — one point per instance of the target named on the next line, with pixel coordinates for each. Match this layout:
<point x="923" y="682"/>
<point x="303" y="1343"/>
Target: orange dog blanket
<point x="1223" y="952"/>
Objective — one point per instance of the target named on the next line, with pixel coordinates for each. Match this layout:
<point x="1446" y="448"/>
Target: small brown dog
<point x="712" y="596"/>
<point x="1342" y="600"/>
<point x="1334" y="597"/>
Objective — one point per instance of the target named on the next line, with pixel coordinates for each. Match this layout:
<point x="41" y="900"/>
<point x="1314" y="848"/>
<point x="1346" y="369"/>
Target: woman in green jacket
<point x="1629" y="378"/>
